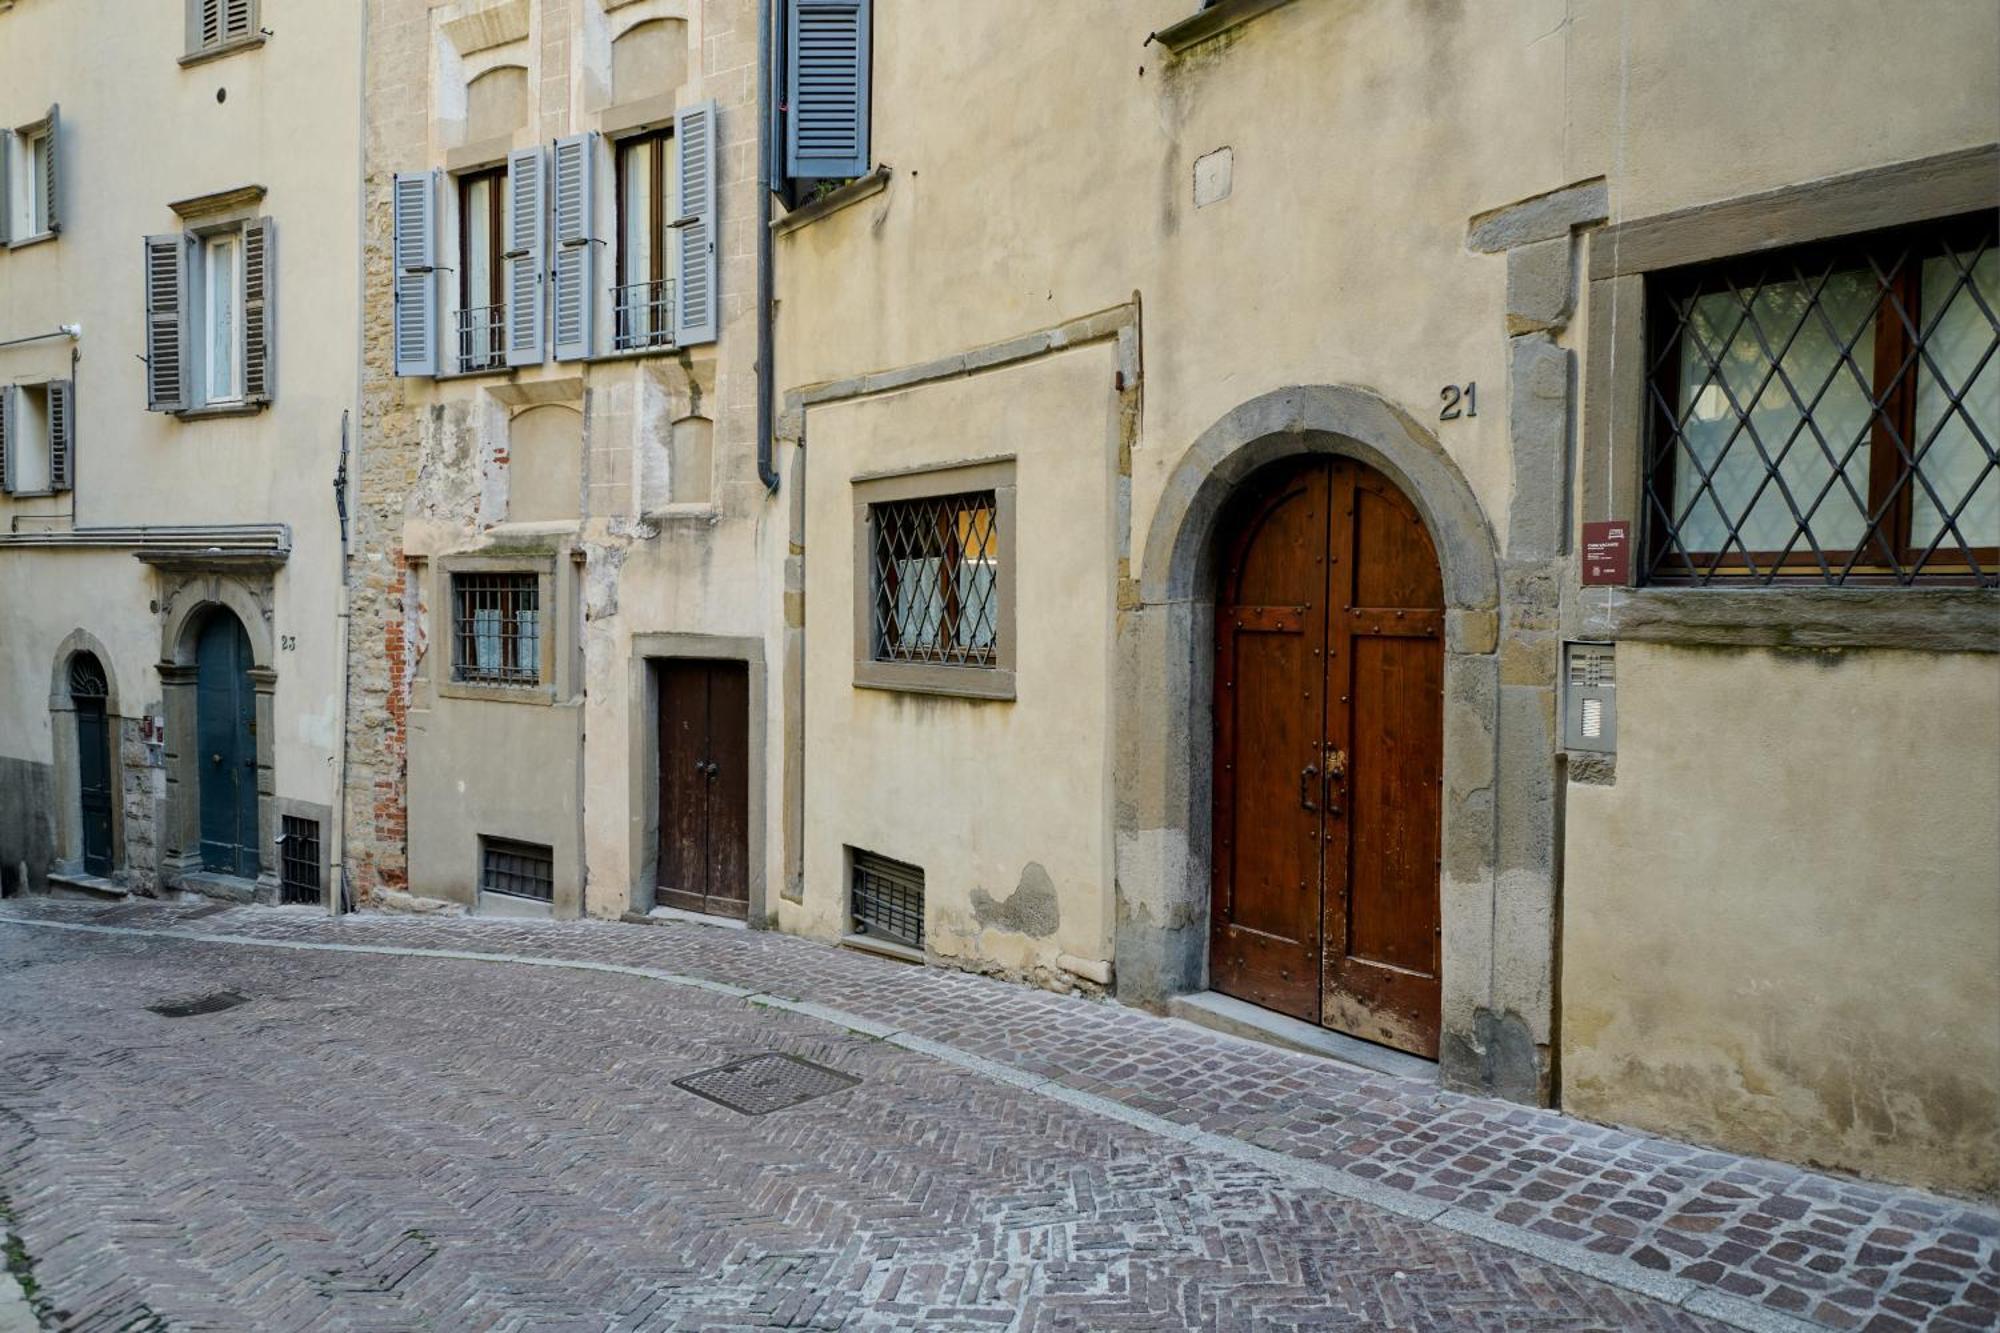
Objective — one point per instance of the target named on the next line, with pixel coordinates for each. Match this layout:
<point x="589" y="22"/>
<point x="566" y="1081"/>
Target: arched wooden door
<point x="1329" y="742"/>
<point x="226" y="731"/>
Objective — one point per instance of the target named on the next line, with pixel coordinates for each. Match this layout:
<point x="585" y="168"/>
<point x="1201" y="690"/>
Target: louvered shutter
<point x="6" y="438"/>
<point x="415" y="205"/>
<point x="527" y="228"/>
<point x="576" y="243"/>
<point x="62" y="432"/>
<point x="239" y="19"/>
<point x="6" y="179"/>
<point x="260" y="327"/>
<point x="52" y="180"/>
<point x="166" y="322"/>
<point x="826" y="89"/>
<point x="695" y="267"/>
<point x="204" y="24"/>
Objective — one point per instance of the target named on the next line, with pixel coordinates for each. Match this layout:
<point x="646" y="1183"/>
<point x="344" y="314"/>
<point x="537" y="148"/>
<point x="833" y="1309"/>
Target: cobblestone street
<point x="404" y="1127"/>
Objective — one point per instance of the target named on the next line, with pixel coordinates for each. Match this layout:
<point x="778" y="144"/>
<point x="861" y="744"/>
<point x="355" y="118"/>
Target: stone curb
<point x="1619" y="1273"/>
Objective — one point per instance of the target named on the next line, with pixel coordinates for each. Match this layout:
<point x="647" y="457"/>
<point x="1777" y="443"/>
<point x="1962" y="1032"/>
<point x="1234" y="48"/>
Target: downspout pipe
<point x="767" y="471"/>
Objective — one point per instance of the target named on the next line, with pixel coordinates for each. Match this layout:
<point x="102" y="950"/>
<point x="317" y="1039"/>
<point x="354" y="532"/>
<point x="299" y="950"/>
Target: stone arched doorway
<point x="217" y="684"/>
<point x="1164" y="797"/>
<point x="84" y="729"/>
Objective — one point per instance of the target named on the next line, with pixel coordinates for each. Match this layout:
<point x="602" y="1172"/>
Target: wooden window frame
<point x="1892" y="388"/>
<point x="659" y="144"/>
<point x="495" y="297"/>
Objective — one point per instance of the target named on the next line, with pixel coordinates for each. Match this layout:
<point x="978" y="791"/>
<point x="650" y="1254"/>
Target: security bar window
<point x="887" y="900"/>
<point x="482" y="306"/>
<point x="496" y="629"/>
<point x="299" y="861"/>
<point x="643" y="300"/>
<point x="517" y="869"/>
<point x="937" y="584"/>
<point x="1829" y="413"/>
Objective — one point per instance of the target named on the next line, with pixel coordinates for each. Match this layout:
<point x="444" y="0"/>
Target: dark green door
<point x="93" y="761"/>
<point x="226" y="731"/>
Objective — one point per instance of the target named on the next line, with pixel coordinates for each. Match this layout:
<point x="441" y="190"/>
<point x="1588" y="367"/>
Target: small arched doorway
<point x="1329" y="753"/>
<point x="226" y="745"/>
<point x="89" y="693"/>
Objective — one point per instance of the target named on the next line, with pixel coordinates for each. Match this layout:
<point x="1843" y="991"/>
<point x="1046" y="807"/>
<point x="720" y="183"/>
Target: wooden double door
<point x="704" y="848"/>
<point x="1329" y="718"/>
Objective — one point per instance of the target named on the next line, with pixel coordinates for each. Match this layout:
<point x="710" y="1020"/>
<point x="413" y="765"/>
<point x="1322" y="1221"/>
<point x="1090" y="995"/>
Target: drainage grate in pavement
<point x="765" y="1083"/>
<point x="200" y="912"/>
<point x="212" y="1003"/>
<point x="111" y="916"/>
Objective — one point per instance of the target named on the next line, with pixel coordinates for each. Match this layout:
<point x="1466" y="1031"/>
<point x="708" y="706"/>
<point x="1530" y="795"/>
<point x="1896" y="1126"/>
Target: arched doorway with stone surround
<point x="197" y="600"/>
<point x="1165" y="727"/>
<point x="84" y="730"/>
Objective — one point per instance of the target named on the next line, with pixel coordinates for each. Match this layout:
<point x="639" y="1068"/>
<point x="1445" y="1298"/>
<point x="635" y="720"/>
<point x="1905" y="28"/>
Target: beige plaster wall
<point x="1781" y="926"/>
<point x="139" y="131"/>
<point x="995" y="800"/>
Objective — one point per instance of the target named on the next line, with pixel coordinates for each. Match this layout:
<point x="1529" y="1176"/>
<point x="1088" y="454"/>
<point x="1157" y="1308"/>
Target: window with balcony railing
<point x="643" y="300"/>
<point x="481" y="324"/>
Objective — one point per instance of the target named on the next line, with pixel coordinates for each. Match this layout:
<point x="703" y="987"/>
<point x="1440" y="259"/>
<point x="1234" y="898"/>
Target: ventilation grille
<point x="517" y="869"/>
<point x="888" y="900"/>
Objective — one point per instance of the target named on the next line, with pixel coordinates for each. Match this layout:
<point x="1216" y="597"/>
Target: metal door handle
<point x="713" y="768"/>
<point x="215" y="759"/>
<point x="1306" y="776"/>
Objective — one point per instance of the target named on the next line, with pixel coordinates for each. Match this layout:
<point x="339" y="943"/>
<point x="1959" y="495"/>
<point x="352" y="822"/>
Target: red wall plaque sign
<point x="1607" y="553"/>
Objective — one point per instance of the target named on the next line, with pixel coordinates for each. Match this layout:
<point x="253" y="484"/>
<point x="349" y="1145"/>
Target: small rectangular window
<point x="887" y="900"/>
<point x="222" y="317"/>
<point x="482" y="306"/>
<point x="643" y="300"/>
<point x="496" y="629"/>
<point x="299" y="861"/>
<point x="40" y="144"/>
<point x="1829" y="413"/>
<point x="936" y="576"/>
<point x="517" y="869"/>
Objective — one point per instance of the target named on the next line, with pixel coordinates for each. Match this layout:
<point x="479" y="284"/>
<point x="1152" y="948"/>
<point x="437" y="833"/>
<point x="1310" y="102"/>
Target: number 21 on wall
<point x="1459" y="401"/>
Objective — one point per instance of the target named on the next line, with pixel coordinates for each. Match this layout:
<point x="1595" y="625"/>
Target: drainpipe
<point x="335" y="895"/>
<point x="767" y="471"/>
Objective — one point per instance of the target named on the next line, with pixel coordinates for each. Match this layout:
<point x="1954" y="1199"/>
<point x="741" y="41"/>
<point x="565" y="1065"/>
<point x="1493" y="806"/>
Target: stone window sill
<point x="221" y="410"/>
<point x="542" y="694"/>
<point x="883" y="948"/>
<point x="861" y="187"/>
<point x="193" y="58"/>
<point x="976" y="683"/>
<point x="1218" y="18"/>
<point x="1920" y="619"/>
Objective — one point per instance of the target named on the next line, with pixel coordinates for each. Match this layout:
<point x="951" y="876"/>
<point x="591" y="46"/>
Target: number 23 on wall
<point x="1459" y="401"/>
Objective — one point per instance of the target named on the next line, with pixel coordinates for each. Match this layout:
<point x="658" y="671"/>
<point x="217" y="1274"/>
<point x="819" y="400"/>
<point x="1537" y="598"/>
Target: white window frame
<point x="230" y="238"/>
<point x="26" y="187"/>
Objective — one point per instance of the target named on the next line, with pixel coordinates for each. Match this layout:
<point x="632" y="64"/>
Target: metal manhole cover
<point x="212" y="1003"/>
<point x="200" y="912"/>
<point x="765" y="1083"/>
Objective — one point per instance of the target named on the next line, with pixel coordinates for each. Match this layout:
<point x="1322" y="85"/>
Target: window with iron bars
<point x="496" y="629"/>
<point x="887" y="899"/>
<point x="517" y="869"/>
<point x="1828" y="413"/>
<point x="298" y="861"/>
<point x="936" y="569"/>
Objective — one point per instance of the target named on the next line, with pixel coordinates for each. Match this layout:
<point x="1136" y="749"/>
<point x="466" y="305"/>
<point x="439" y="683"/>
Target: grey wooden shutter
<point x="527" y="230"/>
<point x="826" y="89"/>
<point x="166" y="322"/>
<point x="6" y="438"/>
<point x="695" y="267"/>
<point x="52" y="181"/>
<point x="62" y="432"/>
<point x="204" y="24"/>
<point x="6" y="178"/>
<point x="415" y="206"/>
<point x="239" y="19"/>
<point x="260" y="292"/>
<point x="576" y="243"/>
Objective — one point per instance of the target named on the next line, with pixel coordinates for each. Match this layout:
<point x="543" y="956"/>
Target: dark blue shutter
<point x="826" y="89"/>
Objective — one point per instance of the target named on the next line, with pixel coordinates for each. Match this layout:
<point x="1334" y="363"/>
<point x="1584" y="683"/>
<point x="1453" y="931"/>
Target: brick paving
<point x="527" y="1163"/>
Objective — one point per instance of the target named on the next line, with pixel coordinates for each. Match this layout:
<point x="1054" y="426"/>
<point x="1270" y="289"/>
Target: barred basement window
<point x="1829" y="413"/>
<point x="299" y="861"/>
<point x="888" y="900"/>
<point x="496" y="629"/>
<point x="937" y="584"/>
<point x="517" y="869"/>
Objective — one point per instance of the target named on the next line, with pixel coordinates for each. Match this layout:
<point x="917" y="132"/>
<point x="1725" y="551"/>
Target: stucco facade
<point x="624" y="479"/>
<point x="171" y="520"/>
<point x="1209" y="278"/>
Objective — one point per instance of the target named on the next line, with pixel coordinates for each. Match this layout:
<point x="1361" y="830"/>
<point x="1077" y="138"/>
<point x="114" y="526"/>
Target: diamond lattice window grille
<point x="1829" y="413"/>
<point x="936" y="570"/>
